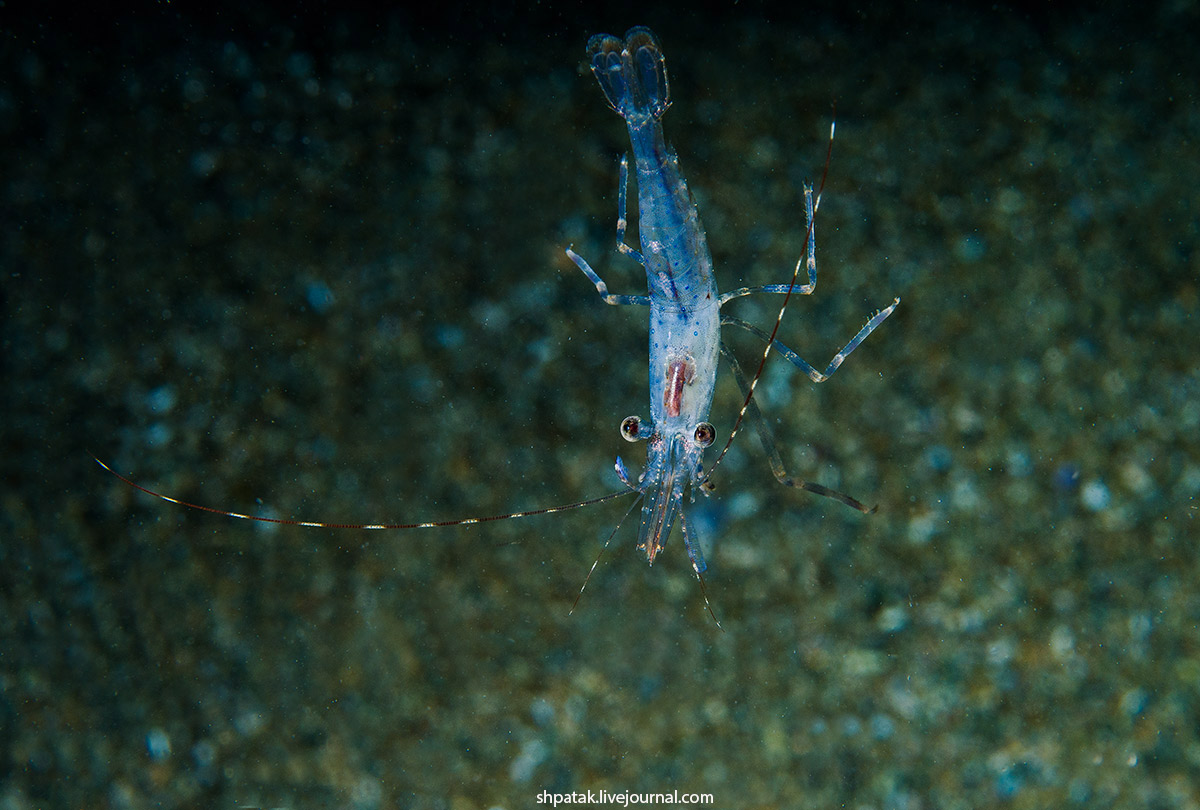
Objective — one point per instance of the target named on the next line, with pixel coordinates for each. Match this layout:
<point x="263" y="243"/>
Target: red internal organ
<point x="679" y="373"/>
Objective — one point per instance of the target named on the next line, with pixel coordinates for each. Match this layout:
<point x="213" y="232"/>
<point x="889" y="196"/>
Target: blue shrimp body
<point x="684" y="305"/>
<point x="685" y="316"/>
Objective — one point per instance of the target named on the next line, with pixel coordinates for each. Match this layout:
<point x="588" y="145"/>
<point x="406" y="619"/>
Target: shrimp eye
<point x="631" y="428"/>
<point x="705" y="433"/>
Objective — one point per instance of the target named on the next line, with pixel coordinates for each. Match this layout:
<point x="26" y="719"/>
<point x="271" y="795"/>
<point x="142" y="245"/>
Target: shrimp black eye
<point x="705" y="433"/>
<point x="631" y="428"/>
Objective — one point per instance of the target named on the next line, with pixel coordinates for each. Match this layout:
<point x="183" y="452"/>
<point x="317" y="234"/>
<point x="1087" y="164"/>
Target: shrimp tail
<point x="632" y="73"/>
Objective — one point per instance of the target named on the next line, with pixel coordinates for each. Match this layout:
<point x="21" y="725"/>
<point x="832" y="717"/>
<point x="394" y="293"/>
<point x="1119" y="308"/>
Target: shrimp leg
<point x="810" y="261"/>
<point x="767" y="439"/>
<point x="798" y="361"/>
<point x="593" y="276"/>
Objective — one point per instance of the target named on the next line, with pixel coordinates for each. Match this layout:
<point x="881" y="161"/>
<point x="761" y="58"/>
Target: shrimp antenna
<point x="321" y="524"/>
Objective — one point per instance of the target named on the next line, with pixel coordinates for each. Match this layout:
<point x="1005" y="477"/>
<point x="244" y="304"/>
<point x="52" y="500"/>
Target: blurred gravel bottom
<point x="314" y="268"/>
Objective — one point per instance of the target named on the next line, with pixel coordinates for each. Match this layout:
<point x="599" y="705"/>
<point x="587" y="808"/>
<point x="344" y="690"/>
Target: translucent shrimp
<point x="685" y="316"/>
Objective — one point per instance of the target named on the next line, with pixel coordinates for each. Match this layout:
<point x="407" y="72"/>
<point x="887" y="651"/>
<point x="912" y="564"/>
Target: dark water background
<point x="309" y="263"/>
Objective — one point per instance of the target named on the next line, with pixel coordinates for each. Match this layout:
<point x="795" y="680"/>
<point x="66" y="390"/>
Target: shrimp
<point x="685" y="307"/>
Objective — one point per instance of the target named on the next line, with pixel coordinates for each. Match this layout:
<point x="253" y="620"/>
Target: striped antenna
<point x="320" y="524"/>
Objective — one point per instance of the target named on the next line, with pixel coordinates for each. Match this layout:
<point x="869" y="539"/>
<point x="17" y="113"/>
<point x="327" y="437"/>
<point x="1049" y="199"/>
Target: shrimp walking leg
<point x="767" y="439"/>
<point x="809" y="260"/>
<point x="602" y="288"/>
<point x="622" y="222"/>
<point x="802" y="364"/>
<point x="593" y="276"/>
